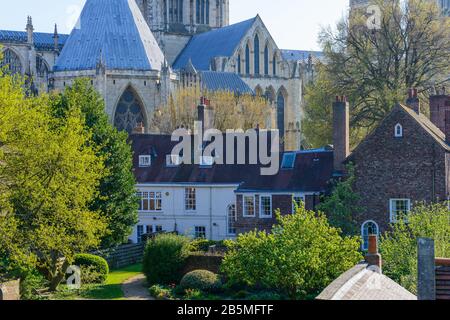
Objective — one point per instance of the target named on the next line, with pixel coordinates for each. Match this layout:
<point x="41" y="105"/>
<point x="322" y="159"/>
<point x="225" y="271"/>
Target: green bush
<point x="30" y="282"/>
<point x="164" y="258"/>
<point x="161" y="293"/>
<point x="202" y="280"/>
<point x="94" y="269"/>
<point x="303" y="253"/>
<point x="194" y="294"/>
<point x="202" y="245"/>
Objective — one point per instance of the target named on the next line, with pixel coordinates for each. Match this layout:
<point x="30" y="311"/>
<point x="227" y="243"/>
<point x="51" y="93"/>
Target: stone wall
<point x="10" y="290"/>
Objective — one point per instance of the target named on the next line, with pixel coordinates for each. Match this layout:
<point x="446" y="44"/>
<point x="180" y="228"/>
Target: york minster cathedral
<point x="137" y="53"/>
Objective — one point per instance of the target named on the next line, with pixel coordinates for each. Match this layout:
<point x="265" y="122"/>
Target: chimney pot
<point x="413" y="100"/>
<point x="373" y="258"/>
<point x="140" y="129"/>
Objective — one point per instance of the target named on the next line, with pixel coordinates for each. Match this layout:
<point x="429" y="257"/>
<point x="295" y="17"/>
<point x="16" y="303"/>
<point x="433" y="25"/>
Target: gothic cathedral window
<point x="274" y="71"/>
<point x="12" y="61"/>
<point x="247" y="60"/>
<point x="266" y="60"/>
<point x="280" y="114"/>
<point x="256" y="53"/>
<point x="129" y="112"/>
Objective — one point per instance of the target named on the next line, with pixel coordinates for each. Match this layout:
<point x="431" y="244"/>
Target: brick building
<point x="405" y="160"/>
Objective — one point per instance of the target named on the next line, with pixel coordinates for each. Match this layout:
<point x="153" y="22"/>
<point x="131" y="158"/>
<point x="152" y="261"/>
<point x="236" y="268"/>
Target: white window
<point x="190" y="199"/>
<point x="399" y="208"/>
<point x="150" y="201"/>
<point x="249" y="206"/>
<point x="140" y="232"/>
<point x="173" y="160"/>
<point x="368" y="228"/>
<point x="232" y="218"/>
<point x="398" y="131"/>
<point x="158" y="228"/>
<point x="200" y="232"/>
<point x="297" y="201"/>
<point x="265" y="207"/>
<point x="145" y="161"/>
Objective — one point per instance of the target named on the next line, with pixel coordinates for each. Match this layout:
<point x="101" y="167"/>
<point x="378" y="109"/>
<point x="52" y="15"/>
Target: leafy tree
<point x="230" y="111"/>
<point x="116" y="200"/>
<point x="48" y="175"/>
<point x="342" y="205"/>
<point x="376" y="67"/>
<point x="300" y="257"/>
<point x="399" y="246"/>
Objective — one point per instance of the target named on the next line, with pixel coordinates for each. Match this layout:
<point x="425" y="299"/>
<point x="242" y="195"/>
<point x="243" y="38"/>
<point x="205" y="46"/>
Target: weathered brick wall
<point x="282" y="202"/>
<point x="411" y="167"/>
<point x="10" y="290"/>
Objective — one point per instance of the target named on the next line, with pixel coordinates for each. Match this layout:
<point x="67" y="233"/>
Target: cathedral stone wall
<point x="172" y="44"/>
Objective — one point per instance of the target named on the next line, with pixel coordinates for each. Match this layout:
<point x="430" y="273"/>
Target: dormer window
<point x="288" y="161"/>
<point x="398" y="132"/>
<point x="173" y="160"/>
<point x="145" y="161"/>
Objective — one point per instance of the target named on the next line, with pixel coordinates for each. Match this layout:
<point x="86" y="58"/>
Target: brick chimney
<point x="447" y="126"/>
<point x="205" y="114"/>
<point x="341" y="132"/>
<point x="413" y="100"/>
<point x="439" y="104"/>
<point x="373" y="258"/>
<point x="140" y="129"/>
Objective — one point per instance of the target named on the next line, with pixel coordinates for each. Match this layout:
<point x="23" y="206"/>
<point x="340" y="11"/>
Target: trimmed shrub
<point x="202" y="245"/>
<point x="94" y="269"/>
<point x="202" y="280"/>
<point x="164" y="259"/>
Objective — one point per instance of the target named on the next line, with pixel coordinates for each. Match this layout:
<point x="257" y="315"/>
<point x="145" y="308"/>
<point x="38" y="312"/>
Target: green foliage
<point x="399" y="246"/>
<point x="116" y="200"/>
<point x="160" y="292"/>
<point x="342" y="205"/>
<point x="202" y="280"/>
<point x="164" y="258"/>
<point x="202" y="245"/>
<point x="193" y="294"/>
<point x="266" y="296"/>
<point x="30" y="282"/>
<point x="302" y="255"/>
<point x="94" y="269"/>
<point x="49" y="175"/>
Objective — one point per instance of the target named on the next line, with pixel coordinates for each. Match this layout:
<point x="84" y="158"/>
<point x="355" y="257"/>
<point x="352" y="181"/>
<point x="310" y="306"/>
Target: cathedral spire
<point x="56" y="39"/>
<point x="29" y="30"/>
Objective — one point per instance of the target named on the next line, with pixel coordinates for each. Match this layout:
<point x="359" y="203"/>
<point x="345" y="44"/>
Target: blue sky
<point x="294" y="24"/>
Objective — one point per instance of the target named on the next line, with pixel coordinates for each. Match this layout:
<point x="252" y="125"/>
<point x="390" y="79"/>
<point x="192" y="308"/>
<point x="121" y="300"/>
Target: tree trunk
<point x="58" y="277"/>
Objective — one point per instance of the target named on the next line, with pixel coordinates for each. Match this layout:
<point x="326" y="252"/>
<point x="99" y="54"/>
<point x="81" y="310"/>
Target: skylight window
<point x="145" y="161"/>
<point x="288" y="161"/>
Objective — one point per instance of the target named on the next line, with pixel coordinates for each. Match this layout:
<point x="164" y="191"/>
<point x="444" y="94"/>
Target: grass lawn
<point x="110" y="290"/>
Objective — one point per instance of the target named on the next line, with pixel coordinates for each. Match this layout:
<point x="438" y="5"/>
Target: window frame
<point x="261" y="216"/>
<point x="197" y="232"/>
<point x="139" y="233"/>
<point x="394" y="219"/>
<point x="141" y="161"/>
<point x="303" y="199"/>
<point x="363" y="243"/>
<point x="244" y="206"/>
<point x="187" y="206"/>
<point x="230" y="226"/>
<point x="157" y="200"/>
<point x="398" y="131"/>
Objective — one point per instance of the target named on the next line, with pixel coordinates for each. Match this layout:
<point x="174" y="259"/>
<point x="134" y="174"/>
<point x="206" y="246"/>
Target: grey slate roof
<point x="222" y="42"/>
<point x="114" y="30"/>
<point x="42" y="41"/>
<point x="224" y="81"/>
<point x="300" y="55"/>
<point x="363" y="283"/>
